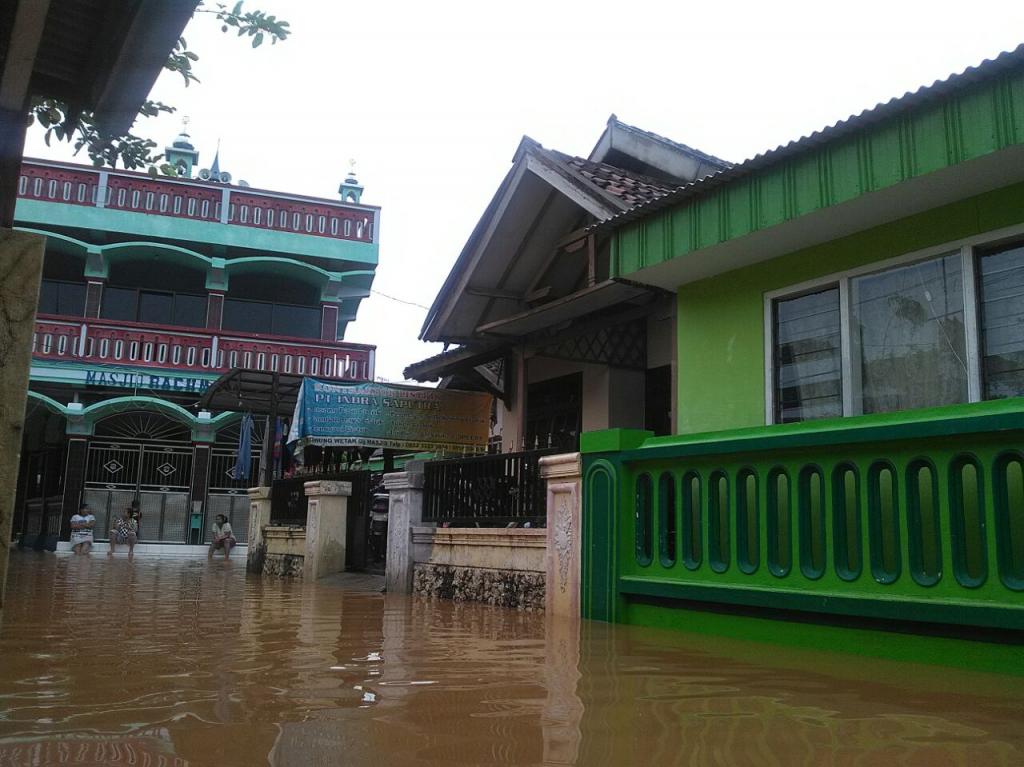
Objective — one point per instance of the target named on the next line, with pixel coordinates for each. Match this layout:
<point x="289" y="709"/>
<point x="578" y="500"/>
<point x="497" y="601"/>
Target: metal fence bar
<point x="486" y="491"/>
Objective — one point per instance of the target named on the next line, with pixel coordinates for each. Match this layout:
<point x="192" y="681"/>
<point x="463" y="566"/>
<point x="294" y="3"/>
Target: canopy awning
<point x="253" y="391"/>
<point x="579" y="304"/>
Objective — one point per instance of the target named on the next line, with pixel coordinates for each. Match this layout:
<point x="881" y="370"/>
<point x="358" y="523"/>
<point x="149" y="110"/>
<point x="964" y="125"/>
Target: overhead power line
<point x="399" y="300"/>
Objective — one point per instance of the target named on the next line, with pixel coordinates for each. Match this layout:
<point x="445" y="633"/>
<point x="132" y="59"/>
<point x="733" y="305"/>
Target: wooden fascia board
<point x="588" y="196"/>
<point x="475" y="248"/>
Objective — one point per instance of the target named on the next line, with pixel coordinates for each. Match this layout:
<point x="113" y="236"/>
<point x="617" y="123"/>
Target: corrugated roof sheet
<point x="986" y="69"/>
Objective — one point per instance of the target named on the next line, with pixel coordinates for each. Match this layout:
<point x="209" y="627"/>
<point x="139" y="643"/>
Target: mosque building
<point x="152" y="289"/>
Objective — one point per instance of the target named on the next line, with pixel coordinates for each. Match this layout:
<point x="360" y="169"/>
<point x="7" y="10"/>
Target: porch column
<point x="563" y="475"/>
<point x="329" y="322"/>
<point x="325" y="528"/>
<point x="197" y="491"/>
<point x="74" y="481"/>
<point x="259" y="518"/>
<point x="93" y="298"/>
<point x="214" y="311"/>
<point x="405" y="511"/>
<point x="21" y="265"/>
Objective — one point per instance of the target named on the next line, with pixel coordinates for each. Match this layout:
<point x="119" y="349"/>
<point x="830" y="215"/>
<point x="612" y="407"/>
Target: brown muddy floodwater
<point x="184" y="662"/>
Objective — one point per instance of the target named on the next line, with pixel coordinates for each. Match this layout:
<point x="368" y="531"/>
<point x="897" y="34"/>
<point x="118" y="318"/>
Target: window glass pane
<point x="71" y="299"/>
<point x="808" y="380"/>
<point x="189" y="311"/>
<point x="909" y="332"/>
<point x="247" y="316"/>
<point x="1001" y="277"/>
<point x="118" y="303"/>
<point x="300" y="321"/>
<point x="157" y="308"/>
<point x="48" y="297"/>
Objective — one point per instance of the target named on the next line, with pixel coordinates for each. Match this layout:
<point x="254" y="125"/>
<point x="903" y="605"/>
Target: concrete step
<point x="156" y="549"/>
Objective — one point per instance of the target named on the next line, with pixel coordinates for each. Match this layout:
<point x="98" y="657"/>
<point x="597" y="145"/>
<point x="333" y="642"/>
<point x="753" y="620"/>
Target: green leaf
<point x="258" y="40"/>
<point x="237" y="9"/>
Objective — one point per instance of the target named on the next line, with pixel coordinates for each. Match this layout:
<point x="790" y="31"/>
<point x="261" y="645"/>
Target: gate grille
<point x="160" y="476"/>
<point x="227" y="495"/>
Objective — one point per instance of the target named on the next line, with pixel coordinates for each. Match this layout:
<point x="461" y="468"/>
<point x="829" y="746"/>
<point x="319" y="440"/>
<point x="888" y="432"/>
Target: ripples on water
<point x="184" y="662"/>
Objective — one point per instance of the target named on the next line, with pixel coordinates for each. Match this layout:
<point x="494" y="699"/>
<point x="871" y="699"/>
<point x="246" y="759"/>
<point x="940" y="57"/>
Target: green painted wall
<point x="978" y="120"/>
<point x="720" y="338"/>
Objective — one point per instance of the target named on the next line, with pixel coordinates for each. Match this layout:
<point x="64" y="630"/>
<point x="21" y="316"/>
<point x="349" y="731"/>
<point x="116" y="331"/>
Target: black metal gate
<point x="158" y="475"/>
<point x="41" y="496"/>
<point x="227" y="494"/>
<point x="289" y="505"/>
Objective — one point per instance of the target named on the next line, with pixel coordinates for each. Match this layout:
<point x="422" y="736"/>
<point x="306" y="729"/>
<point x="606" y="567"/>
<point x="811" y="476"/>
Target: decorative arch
<point x="71" y="245"/>
<point x="100" y="410"/>
<point x="141" y="424"/>
<point x="49" y="403"/>
<point x="135" y="251"/>
<point x="308" y="273"/>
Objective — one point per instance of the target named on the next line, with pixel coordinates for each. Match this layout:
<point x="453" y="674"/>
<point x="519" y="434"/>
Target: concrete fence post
<point x="405" y="511"/>
<point x="259" y="518"/>
<point x="326" y="527"/>
<point x="563" y="475"/>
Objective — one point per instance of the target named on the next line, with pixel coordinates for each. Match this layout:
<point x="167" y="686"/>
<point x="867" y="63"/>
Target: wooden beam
<point x="26" y="33"/>
<point x="574" y="236"/>
<point x="494" y="293"/>
<point x="538" y="294"/>
<point x="591" y="260"/>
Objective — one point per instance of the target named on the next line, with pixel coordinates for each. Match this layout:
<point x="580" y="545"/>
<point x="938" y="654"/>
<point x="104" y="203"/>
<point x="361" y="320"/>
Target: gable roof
<point x="601" y="189"/>
<point x="897" y="106"/>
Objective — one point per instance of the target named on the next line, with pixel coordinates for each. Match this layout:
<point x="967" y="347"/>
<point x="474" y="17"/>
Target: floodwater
<point x="186" y="662"/>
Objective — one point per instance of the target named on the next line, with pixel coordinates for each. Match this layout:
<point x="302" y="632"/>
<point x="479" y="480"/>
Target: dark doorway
<point x="554" y="413"/>
<point x="658" y="401"/>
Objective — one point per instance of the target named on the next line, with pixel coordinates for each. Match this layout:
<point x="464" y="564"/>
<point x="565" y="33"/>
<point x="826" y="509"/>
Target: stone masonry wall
<point x="283" y="565"/>
<point x="520" y="589"/>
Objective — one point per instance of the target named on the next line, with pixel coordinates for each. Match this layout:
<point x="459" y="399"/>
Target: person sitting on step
<point x="125" y="531"/>
<point x="223" y="537"/>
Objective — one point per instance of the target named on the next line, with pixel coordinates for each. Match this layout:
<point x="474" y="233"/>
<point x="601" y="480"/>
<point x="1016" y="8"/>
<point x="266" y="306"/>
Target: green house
<point x="849" y="374"/>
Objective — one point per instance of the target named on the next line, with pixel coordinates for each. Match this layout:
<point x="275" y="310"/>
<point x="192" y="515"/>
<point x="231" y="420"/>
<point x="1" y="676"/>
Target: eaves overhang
<point x="647" y="256"/>
<point x="533" y="159"/>
<point x="453" y="361"/>
<point x="604" y="295"/>
<point x="1003" y="100"/>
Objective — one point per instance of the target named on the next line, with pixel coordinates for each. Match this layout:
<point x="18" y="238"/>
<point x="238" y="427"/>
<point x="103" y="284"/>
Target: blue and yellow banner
<point x="390" y="416"/>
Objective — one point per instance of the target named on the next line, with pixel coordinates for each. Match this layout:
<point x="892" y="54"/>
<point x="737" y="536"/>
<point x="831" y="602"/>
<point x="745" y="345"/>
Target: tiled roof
<point x="988" y="68"/>
<point x="631" y="188"/>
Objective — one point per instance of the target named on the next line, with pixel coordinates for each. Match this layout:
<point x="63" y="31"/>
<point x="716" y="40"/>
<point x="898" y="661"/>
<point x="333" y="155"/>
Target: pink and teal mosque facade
<point x="152" y="289"/>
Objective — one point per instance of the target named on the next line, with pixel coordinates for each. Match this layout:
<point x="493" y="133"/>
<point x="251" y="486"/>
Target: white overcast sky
<point x="431" y="100"/>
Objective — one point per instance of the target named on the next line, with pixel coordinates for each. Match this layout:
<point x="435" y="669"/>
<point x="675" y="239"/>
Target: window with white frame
<point x="916" y="333"/>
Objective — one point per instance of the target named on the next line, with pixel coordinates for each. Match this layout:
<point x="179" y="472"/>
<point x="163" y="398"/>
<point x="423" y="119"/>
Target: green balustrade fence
<point x="917" y="518"/>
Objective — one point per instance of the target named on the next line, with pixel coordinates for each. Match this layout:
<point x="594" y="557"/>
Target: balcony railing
<point x="915" y="517"/>
<point x="195" y="200"/>
<point x="195" y="350"/>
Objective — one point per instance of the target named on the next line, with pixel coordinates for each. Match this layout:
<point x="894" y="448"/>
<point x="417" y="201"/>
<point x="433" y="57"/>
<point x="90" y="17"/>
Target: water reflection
<point x="188" y="663"/>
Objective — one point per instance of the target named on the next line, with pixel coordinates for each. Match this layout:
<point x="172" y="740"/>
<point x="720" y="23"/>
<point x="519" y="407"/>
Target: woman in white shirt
<point x="223" y="537"/>
<point x="82" y="524"/>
